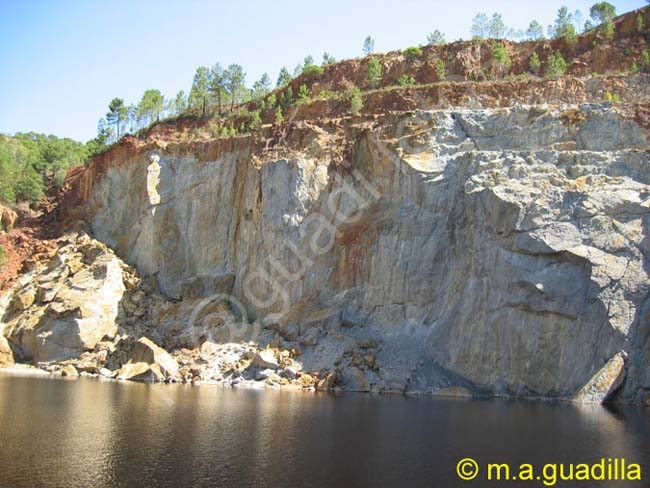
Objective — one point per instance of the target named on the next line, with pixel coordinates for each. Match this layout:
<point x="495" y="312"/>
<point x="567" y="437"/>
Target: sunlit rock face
<point x="66" y="307"/>
<point x="501" y="251"/>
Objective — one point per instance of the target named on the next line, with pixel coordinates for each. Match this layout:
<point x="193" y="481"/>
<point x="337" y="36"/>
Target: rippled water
<point x="93" y="433"/>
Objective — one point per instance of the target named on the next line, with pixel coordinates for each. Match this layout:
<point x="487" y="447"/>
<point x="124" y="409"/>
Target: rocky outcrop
<point x="68" y="306"/>
<point x="106" y="307"/>
<point x="496" y="251"/>
<point x="159" y="360"/>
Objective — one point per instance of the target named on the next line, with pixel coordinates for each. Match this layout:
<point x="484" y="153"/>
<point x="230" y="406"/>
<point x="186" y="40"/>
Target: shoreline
<point x="28" y="370"/>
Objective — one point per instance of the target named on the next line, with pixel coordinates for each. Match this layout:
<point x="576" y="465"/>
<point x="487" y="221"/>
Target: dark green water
<point x="92" y="433"/>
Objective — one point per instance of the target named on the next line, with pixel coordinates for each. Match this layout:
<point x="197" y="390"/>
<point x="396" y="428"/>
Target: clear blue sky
<point x="63" y="60"/>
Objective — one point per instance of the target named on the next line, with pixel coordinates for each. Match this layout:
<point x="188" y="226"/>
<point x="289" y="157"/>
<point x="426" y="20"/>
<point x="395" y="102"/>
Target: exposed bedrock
<point x="489" y="251"/>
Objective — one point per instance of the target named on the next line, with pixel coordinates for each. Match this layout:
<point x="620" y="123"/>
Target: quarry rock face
<point x="502" y="251"/>
<point x="465" y="252"/>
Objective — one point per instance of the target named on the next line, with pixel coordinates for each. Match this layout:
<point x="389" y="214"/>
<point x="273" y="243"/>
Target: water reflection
<point x="85" y="432"/>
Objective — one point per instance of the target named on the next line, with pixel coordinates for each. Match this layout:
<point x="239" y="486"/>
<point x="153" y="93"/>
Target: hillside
<point x="485" y="234"/>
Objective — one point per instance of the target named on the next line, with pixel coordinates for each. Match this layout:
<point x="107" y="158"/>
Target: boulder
<point x="135" y="371"/>
<point x="264" y="374"/>
<point x="604" y="383"/>
<point x="306" y="380"/>
<point x="106" y="373"/>
<point x="23" y="300"/>
<point x="47" y="292"/>
<point x="87" y="365"/>
<point x="265" y="359"/>
<point x="292" y="372"/>
<point x="354" y="379"/>
<point x="274" y="379"/>
<point x="326" y="383"/>
<point x="69" y="370"/>
<point x="147" y="351"/>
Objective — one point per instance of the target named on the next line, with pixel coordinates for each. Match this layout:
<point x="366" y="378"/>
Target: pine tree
<point x="216" y="85"/>
<point x="368" y="46"/>
<point x="200" y="92"/>
<point x="150" y="107"/>
<point x="117" y="113"/>
<point x="234" y="79"/>
<point x="535" y="31"/>
<point x="283" y="77"/>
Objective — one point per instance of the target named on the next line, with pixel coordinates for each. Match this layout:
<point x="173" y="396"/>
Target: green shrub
<point x="612" y="97"/>
<point x="356" y="101"/>
<point x="313" y="71"/>
<point x="501" y="58"/>
<point x="373" y="72"/>
<point x="406" y="80"/>
<point x="216" y="130"/>
<point x="534" y="63"/>
<point x="286" y="99"/>
<point x="29" y="186"/>
<point x="441" y="71"/>
<point x="639" y="23"/>
<point x="555" y="66"/>
<point x="269" y="102"/>
<point x="3" y="255"/>
<point x="329" y="94"/>
<point x="278" y="116"/>
<point x="303" y="92"/>
<point x="59" y="178"/>
<point x="634" y="69"/>
<point x="412" y="53"/>
<point x="255" y="121"/>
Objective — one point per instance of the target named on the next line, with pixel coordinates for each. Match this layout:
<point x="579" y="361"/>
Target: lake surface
<point x="94" y="433"/>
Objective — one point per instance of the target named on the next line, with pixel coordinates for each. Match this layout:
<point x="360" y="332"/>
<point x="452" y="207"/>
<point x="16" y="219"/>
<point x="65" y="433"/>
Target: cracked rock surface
<point x="456" y="252"/>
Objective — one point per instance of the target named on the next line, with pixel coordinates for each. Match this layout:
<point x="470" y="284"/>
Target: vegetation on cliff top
<point x="220" y="96"/>
<point x="222" y="93"/>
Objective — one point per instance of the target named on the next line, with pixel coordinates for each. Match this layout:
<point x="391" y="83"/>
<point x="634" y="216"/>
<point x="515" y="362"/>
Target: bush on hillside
<point x="501" y="58"/>
<point x="313" y="71"/>
<point x="373" y="73"/>
<point x="555" y="66"/>
<point x="534" y="63"/>
<point x="441" y="70"/>
<point x="412" y="53"/>
<point x="356" y="101"/>
<point x="406" y="80"/>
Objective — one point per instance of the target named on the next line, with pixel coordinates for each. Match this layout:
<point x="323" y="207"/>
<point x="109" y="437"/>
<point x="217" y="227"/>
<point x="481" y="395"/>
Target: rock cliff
<point x="460" y="251"/>
<point x="494" y="243"/>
